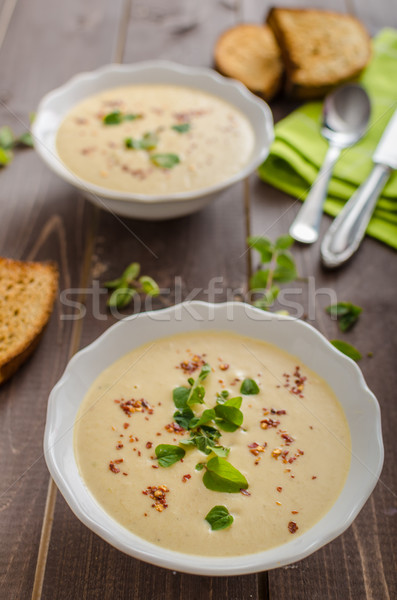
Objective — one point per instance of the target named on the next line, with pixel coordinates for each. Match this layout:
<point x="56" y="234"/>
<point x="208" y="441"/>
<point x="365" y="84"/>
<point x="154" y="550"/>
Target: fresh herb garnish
<point x="149" y="141"/>
<point x="249" y="387"/>
<point x="182" y="127"/>
<point x="346" y="313"/>
<point x="279" y="267"/>
<point x="128" y="284"/>
<point x="8" y="141"/>
<point x="228" y="414"/>
<point x="116" y="117"/>
<point x="219" y="518"/>
<point x="185" y="397"/>
<point x="165" y="161"/>
<point x="221" y="476"/>
<point x="347" y="349"/>
<point x="168" y="454"/>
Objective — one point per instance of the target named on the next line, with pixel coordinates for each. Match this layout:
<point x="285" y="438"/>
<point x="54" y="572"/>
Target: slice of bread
<point x="251" y="54"/>
<point x="320" y="49"/>
<point x="27" y="294"/>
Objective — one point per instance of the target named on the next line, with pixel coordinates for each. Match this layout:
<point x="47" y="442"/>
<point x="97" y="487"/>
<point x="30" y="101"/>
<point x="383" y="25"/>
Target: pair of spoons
<point x="346" y="114"/>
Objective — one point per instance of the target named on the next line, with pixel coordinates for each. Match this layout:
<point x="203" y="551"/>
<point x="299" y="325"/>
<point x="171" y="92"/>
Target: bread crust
<point x="250" y="53"/>
<point x="321" y="49"/>
<point x="27" y="295"/>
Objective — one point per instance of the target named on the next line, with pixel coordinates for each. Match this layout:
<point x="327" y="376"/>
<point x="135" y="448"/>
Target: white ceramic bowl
<point x="55" y="105"/>
<point x="299" y="338"/>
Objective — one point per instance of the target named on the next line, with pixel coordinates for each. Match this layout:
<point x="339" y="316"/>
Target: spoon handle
<point x="347" y="230"/>
<point x="306" y="226"/>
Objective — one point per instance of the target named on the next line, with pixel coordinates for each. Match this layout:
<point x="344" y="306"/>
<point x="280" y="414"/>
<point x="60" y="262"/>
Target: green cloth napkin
<point x="299" y="149"/>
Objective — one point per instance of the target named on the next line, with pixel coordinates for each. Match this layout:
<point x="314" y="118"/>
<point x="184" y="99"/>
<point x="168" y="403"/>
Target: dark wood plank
<point x="41" y="219"/>
<point x="361" y="563"/>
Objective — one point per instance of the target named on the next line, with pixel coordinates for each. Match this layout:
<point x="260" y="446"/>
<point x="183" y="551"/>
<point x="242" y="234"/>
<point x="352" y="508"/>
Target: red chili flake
<point x="158" y="494"/>
<point x="279" y="489"/>
<point x="117" y="401"/>
<point x="118" y="461"/>
<point x="139" y="452"/>
<point x="268" y="423"/>
<point x="125" y="474"/>
<point x="292" y="527"/>
<point x="175" y="428"/>
<point x="132" y="406"/>
<point x="314" y="477"/>
<point x="149" y="445"/>
<point x="119" y="446"/>
<point x="224" y="367"/>
<point x="186" y="477"/>
<point x="294" y="512"/>
<point x="256" y="448"/>
<point x="189" y="366"/>
<point x="278" y="412"/>
<point x="245" y="492"/>
<point x="155" y="466"/>
<point x="288" y="439"/>
<point x="158" y="433"/>
<point x="113" y="468"/>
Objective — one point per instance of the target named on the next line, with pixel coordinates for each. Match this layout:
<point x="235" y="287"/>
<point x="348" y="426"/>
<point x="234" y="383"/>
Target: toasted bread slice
<point x="27" y="294"/>
<point x="321" y="49"/>
<point x="251" y="54"/>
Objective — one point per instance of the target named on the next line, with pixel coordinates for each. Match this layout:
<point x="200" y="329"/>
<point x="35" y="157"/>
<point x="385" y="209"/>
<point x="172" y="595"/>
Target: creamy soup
<point x="155" y="139"/>
<point x="292" y="448"/>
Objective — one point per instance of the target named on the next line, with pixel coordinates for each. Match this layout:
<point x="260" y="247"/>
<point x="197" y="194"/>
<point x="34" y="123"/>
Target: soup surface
<point x="292" y="448"/>
<point x="155" y="139"/>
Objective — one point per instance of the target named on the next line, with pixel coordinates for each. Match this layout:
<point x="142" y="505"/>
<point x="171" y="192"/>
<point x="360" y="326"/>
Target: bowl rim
<point x="223" y="83"/>
<point x="292" y="551"/>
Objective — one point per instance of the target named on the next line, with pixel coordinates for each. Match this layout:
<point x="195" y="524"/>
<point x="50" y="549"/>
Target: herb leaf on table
<point x="346" y="313"/>
<point x="128" y="284"/>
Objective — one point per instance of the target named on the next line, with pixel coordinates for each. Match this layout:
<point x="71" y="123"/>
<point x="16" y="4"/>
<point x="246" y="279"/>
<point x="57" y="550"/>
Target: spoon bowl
<point x="346" y="113"/>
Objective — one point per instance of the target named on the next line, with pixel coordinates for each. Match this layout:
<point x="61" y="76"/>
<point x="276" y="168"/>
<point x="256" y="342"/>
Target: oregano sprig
<point x="128" y="284"/>
<point x="277" y="266"/>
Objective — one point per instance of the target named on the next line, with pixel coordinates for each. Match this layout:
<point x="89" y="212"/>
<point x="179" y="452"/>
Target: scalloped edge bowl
<point x="56" y="104"/>
<point x="299" y="338"/>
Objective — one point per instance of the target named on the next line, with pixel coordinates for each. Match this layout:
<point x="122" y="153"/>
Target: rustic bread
<point x="250" y="54"/>
<point x="320" y="49"/>
<point x="27" y="294"/>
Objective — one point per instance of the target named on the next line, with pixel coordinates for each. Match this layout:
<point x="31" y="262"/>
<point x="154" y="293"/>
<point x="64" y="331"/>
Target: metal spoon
<point x="346" y="114"/>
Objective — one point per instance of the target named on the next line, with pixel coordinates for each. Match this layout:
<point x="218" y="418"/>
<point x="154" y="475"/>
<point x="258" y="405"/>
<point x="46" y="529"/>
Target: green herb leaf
<point x="346" y="313"/>
<point x="5" y="157"/>
<point x="168" y="454"/>
<point x="113" y="118"/>
<point x="26" y="139"/>
<point x="219" y="518"/>
<point x="180" y="396"/>
<point x="149" y="141"/>
<point x="132" y="117"/>
<point x="285" y="260"/>
<point x="199" y="466"/>
<point x="221" y="476"/>
<point x="149" y="286"/>
<point x="114" y="283"/>
<point x="183" y="417"/>
<point x="249" y="387"/>
<point x="222" y="397"/>
<point x="7" y="137"/>
<point x="220" y="451"/>
<point x="165" y="161"/>
<point x="229" y="416"/>
<point x="259" y="279"/>
<point x="132" y="144"/>
<point x="284" y="275"/>
<point x="121" y="297"/>
<point x="197" y="392"/>
<point x="208" y="415"/>
<point x="181" y="128"/>
<point x="130" y="274"/>
<point x="263" y="245"/>
<point x="347" y="349"/>
<point x="284" y="242"/>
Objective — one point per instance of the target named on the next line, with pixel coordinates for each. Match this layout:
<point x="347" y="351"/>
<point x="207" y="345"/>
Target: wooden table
<point x="45" y="552"/>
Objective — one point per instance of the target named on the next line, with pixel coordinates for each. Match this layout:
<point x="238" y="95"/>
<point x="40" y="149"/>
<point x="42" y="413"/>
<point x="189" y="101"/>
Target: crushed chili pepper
<point x="279" y="489"/>
<point x="112" y="465"/>
<point x="268" y="423"/>
<point x="186" y="477"/>
<point x="149" y="445"/>
<point x="292" y="527"/>
<point x="158" y="494"/>
<point x="245" y="492"/>
<point x="189" y="366"/>
<point x="175" y="428"/>
<point x="132" y="406"/>
<point x="119" y="446"/>
<point x="224" y="366"/>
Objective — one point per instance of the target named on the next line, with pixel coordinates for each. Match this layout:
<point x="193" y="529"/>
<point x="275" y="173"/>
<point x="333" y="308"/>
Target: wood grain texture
<point x="41" y="218"/>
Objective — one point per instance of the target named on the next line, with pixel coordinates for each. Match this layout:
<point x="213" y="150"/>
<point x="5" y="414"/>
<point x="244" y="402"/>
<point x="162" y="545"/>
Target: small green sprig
<point x="117" y="117"/>
<point x="346" y="313"/>
<point x="277" y="266"/>
<point x="347" y="349"/>
<point x="9" y="141"/>
<point x="128" y="284"/>
<point x="219" y="518"/>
